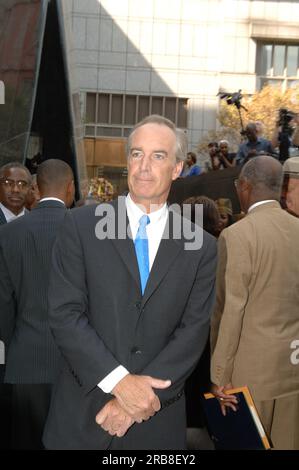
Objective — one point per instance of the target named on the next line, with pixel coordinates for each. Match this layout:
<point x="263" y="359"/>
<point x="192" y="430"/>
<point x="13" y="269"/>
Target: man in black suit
<point x="15" y="184"/>
<point x="129" y="307"/>
<point x="32" y="361"/>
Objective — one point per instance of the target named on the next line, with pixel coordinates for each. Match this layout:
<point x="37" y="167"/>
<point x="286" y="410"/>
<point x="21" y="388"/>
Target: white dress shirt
<point x="154" y="231"/>
<point x="10" y="215"/>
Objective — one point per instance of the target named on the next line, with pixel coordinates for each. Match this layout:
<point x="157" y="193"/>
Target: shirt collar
<point x="259" y="203"/>
<point x="258" y="141"/>
<point x="51" y="199"/>
<point x="10" y="215"/>
<point x="134" y="212"/>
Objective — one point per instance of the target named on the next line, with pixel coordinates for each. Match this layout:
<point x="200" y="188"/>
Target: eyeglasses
<point x="8" y="183"/>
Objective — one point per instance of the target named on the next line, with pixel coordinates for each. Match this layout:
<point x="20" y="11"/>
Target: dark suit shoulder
<point x="16" y="229"/>
<point x="88" y="216"/>
<point x="195" y="239"/>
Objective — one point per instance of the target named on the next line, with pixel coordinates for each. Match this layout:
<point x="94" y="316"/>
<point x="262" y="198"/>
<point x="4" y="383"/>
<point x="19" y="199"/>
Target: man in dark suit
<point x="15" y="183"/>
<point x="25" y="252"/>
<point x="129" y="307"/>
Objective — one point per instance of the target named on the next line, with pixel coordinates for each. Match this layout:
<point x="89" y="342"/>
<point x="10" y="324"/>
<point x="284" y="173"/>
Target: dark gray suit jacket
<point x="25" y="257"/>
<point x="100" y="320"/>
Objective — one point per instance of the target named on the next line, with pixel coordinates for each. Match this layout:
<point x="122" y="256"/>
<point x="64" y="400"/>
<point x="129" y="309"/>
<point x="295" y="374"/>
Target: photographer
<point x="213" y="153"/>
<point x="286" y="132"/>
<point x="295" y="136"/>
<point x="254" y="145"/>
<point x="227" y="159"/>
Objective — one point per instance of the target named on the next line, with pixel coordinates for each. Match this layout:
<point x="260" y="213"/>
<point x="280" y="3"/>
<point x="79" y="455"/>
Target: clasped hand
<point x="135" y="401"/>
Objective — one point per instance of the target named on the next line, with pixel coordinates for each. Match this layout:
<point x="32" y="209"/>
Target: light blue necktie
<point x="141" y="249"/>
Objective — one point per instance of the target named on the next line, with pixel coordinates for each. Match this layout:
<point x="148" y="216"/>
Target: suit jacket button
<point x="135" y="350"/>
<point x="138" y="305"/>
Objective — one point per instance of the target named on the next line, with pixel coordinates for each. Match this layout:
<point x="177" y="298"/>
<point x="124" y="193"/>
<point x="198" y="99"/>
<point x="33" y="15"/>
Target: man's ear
<point x="71" y="188"/>
<point x="244" y="185"/>
<point x="177" y="170"/>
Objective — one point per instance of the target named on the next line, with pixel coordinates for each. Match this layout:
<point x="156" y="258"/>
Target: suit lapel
<point x="125" y="246"/>
<point x="2" y="218"/>
<point x="168" y="250"/>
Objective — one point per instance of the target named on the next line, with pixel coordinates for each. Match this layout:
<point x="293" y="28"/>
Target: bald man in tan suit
<point x="256" y="320"/>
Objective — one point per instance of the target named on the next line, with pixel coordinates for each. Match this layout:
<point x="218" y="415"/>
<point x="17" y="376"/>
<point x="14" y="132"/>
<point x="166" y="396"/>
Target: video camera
<point x="284" y="118"/>
<point x="232" y="98"/>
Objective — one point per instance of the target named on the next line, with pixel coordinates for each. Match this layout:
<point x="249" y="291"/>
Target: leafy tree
<point x="261" y="106"/>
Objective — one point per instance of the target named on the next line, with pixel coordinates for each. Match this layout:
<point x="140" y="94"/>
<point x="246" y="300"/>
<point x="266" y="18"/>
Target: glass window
<point x="90" y="107"/>
<point x="170" y="109"/>
<point x="109" y="131"/>
<point x="130" y="109"/>
<point x="117" y="109"/>
<point x="89" y="130"/>
<point x="292" y="61"/>
<point x="278" y="64"/>
<point x="157" y="105"/>
<point x="103" y="108"/>
<point x="266" y="59"/>
<point x="182" y="113"/>
<point x="143" y="108"/>
<point x="117" y="114"/>
<point x="127" y="131"/>
<point x="278" y="60"/>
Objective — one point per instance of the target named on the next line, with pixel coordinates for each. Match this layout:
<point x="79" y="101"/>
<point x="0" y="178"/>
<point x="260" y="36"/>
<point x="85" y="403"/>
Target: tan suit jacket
<point x="256" y="317"/>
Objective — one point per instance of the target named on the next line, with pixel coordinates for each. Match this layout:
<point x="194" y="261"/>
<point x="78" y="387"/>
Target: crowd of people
<point x="105" y="314"/>
<point x="253" y="144"/>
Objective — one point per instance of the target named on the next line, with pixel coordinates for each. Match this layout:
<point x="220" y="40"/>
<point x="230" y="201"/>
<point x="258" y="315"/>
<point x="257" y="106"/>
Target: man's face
<point x="292" y="195"/>
<point x="212" y="150"/>
<point x="251" y="133"/>
<point x="189" y="160"/>
<point x="14" y="188"/>
<point x="151" y="164"/>
<point x="223" y="148"/>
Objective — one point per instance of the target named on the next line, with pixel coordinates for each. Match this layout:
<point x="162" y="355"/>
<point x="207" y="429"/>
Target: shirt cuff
<point x="109" y="382"/>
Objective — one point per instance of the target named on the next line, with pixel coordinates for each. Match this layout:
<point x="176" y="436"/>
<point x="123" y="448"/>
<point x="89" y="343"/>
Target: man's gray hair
<point x="264" y="173"/>
<point x="181" y="138"/>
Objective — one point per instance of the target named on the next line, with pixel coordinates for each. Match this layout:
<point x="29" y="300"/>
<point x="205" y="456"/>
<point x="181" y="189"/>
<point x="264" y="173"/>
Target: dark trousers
<point x="5" y="416"/>
<point x="196" y="385"/>
<point x="29" y="409"/>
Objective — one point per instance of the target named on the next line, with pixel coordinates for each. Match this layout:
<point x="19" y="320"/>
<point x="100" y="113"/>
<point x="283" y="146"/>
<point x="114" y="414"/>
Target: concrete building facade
<point x="134" y="57"/>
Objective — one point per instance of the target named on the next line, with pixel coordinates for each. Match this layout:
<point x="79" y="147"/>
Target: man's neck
<point x="260" y="202"/>
<point x="148" y="206"/>
<point x="15" y="212"/>
<point x="11" y="215"/>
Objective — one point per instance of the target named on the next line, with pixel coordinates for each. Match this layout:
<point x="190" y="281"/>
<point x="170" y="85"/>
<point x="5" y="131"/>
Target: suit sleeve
<point x="179" y="357"/>
<point x="7" y="302"/>
<point x="85" y="353"/>
<point x="233" y="278"/>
